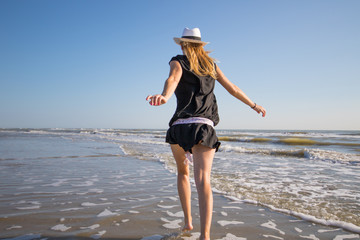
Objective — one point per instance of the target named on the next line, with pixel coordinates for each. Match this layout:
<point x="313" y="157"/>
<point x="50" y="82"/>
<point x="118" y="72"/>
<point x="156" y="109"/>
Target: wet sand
<point x="135" y="199"/>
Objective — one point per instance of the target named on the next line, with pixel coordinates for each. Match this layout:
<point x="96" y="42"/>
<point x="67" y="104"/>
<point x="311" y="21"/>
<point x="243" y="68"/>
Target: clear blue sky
<point x="85" y="63"/>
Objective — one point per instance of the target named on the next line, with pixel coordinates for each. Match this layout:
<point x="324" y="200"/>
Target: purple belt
<point x="194" y="120"/>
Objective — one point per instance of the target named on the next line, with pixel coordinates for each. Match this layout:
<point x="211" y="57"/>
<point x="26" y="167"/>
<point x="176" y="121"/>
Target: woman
<point x="192" y="78"/>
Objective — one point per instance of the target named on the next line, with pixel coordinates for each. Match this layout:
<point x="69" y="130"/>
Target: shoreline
<point x="329" y="223"/>
<point x="140" y="201"/>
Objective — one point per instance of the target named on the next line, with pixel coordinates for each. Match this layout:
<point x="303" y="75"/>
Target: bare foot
<point x="187" y="227"/>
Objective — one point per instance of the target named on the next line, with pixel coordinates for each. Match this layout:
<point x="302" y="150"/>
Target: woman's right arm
<point x="237" y="92"/>
<point x="170" y="85"/>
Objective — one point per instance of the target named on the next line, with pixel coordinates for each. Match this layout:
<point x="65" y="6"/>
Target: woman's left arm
<point x="237" y="92"/>
<point x="170" y="85"/>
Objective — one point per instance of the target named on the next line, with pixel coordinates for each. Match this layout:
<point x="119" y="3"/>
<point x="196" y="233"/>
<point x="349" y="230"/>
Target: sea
<point x="312" y="175"/>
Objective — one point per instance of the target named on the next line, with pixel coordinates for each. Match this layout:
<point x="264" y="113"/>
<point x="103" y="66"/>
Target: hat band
<point x="192" y="37"/>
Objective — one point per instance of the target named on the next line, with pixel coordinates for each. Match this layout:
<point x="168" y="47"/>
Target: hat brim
<point x="179" y="40"/>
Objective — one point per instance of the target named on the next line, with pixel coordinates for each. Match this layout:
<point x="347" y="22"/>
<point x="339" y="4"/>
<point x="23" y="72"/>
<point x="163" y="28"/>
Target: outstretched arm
<point x="236" y="92"/>
<point x="170" y="85"/>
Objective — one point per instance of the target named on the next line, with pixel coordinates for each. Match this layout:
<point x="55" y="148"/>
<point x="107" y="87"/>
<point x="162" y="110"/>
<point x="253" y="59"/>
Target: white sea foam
<point x="317" y="191"/>
<point x="309" y="153"/>
<point x="14" y="227"/>
<point x="70" y="209"/>
<point x="272" y="225"/>
<point x="230" y="236"/>
<point x="173" y="198"/>
<point x="133" y="212"/>
<point x="89" y="204"/>
<point x="231" y="207"/>
<point x="19" y="202"/>
<point x="224" y="213"/>
<point x="272" y="236"/>
<point x="58" y="183"/>
<point x="96" y="190"/>
<point x="92" y="227"/>
<point x="26" y="187"/>
<point x="177" y="214"/>
<point x="29" y="207"/>
<point x="311" y="236"/>
<point x="171" y="224"/>
<point x="144" y="199"/>
<point x="225" y="223"/>
<point x="167" y="206"/>
<point x="60" y="227"/>
<point x="98" y="235"/>
<point x="84" y="184"/>
<point x="107" y="213"/>
<point x="328" y="230"/>
<point x="348" y="236"/>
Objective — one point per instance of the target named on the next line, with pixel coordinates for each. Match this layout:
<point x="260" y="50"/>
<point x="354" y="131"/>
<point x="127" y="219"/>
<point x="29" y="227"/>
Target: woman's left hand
<point x="260" y="109"/>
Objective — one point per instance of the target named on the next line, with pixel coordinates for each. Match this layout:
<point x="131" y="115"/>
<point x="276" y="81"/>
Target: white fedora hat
<point x="190" y="35"/>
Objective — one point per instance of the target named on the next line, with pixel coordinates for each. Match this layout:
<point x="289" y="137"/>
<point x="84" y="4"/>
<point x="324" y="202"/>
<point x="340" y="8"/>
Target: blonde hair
<point x="200" y="61"/>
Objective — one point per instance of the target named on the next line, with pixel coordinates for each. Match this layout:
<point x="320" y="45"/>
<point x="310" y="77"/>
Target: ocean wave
<point x="63" y="157"/>
<point x="327" y="222"/>
<point x="292" y="196"/>
<point x="312" y="154"/>
<point x="288" y="141"/>
<point x="346" y="135"/>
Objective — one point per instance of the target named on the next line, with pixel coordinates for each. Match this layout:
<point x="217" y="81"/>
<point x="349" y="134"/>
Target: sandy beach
<point x="138" y="202"/>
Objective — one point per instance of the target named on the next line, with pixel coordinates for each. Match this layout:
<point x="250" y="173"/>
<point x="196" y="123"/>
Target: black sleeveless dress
<point x="195" y="98"/>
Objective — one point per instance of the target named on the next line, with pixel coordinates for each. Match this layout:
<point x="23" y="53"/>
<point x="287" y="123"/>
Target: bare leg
<point x="203" y="158"/>
<point x="183" y="184"/>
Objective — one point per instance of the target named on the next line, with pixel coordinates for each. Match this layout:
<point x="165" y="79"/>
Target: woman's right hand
<point x="156" y="100"/>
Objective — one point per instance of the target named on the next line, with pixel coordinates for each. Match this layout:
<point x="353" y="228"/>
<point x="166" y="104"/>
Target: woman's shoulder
<point x="178" y="58"/>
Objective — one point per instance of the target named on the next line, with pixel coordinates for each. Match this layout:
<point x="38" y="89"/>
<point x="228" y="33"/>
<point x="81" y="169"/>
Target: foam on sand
<point x="14" y="227"/>
<point x="272" y="236"/>
<point x="92" y="227"/>
<point x="311" y="236"/>
<point x="107" y="213"/>
<point x="171" y="224"/>
<point x="133" y="212"/>
<point x="232" y="207"/>
<point x="272" y="225"/>
<point x="70" y="209"/>
<point x="224" y="222"/>
<point x="349" y="236"/>
<point x="164" y="206"/>
<point x="34" y="205"/>
<point x="60" y="227"/>
<point x="230" y="236"/>
<point x="224" y="213"/>
<point x="98" y="235"/>
<point x="84" y="184"/>
<point x="89" y="204"/>
<point x="177" y="214"/>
